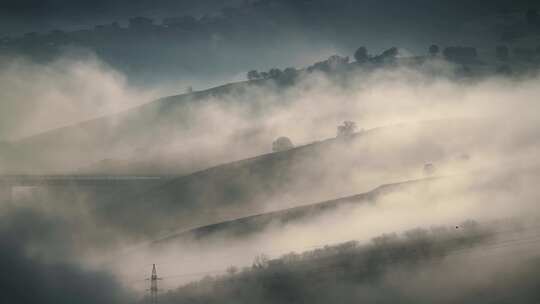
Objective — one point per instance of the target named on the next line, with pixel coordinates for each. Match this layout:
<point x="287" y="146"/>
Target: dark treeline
<point x="466" y="57"/>
<point x="217" y="43"/>
<point x="349" y="271"/>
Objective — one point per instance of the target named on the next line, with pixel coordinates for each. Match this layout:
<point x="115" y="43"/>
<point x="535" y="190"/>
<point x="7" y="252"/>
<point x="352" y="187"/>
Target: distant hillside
<point x="315" y="172"/>
<point x="254" y="224"/>
<point x="126" y="134"/>
<point x="413" y="267"/>
<point x="257" y="34"/>
<point x="449" y="188"/>
<point x="161" y="137"/>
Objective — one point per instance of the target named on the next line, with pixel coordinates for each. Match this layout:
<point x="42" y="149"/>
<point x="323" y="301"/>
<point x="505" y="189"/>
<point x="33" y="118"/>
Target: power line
<point x="533" y="239"/>
<point x="498" y="242"/>
<point x="154" y="285"/>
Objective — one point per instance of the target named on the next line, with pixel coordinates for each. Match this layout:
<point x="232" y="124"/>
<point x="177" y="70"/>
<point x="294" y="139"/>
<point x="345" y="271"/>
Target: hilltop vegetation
<point x="152" y="138"/>
<point x="405" y="269"/>
<point x="227" y="42"/>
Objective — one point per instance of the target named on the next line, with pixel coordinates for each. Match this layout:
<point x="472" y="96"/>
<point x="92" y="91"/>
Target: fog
<point x="39" y="97"/>
<point x="480" y="133"/>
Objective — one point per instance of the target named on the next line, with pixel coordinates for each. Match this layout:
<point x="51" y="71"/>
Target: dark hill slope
<point x="410" y="268"/>
<point x="327" y="169"/>
<point x="450" y="189"/>
<point x="254" y="224"/>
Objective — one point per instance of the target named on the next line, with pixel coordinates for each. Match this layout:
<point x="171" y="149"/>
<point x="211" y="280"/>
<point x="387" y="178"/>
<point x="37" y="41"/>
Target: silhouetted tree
<point x="291" y="258"/>
<point x="391" y="52"/>
<point x="346" y="130"/>
<point x="260" y="261"/>
<point x="282" y="144"/>
<point x="429" y="169"/>
<point x="434" y="50"/>
<point x="386" y="56"/>
<point x="502" y="52"/>
<point x="361" y="55"/>
<point x="384" y="239"/>
<point x="290" y="72"/>
<point x="275" y="73"/>
<point x="289" y="75"/>
<point x="253" y="74"/>
<point x="336" y="62"/>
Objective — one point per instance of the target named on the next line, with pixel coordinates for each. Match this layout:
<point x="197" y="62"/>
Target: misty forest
<point x="269" y="151"/>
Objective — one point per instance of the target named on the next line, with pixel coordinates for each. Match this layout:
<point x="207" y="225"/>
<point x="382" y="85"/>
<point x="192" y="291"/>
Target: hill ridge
<point x="293" y="213"/>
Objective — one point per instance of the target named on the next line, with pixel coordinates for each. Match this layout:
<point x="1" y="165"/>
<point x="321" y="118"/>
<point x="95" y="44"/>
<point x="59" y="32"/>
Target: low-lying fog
<point x="480" y="134"/>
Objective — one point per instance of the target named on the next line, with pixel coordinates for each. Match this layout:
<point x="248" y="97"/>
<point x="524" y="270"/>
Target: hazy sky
<point x="19" y="16"/>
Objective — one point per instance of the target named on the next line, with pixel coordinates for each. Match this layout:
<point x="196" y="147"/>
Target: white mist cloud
<point x="37" y="97"/>
<point x="499" y="133"/>
<point x="492" y="120"/>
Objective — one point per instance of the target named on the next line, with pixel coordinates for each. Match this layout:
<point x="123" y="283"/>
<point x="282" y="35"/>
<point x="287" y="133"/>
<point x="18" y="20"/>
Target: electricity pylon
<point x="154" y="285"/>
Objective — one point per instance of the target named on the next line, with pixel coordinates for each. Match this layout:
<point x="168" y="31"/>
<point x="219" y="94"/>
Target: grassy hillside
<point x="251" y="225"/>
<point x="315" y="172"/>
<point x="419" y="266"/>
<point x="160" y="137"/>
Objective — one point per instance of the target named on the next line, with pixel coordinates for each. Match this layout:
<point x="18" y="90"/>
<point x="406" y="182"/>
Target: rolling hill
<point x="307" y="173"/>
<point x="126" y="135"/>
<point x="251" y="225"/>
